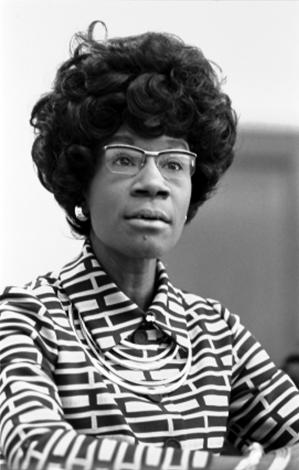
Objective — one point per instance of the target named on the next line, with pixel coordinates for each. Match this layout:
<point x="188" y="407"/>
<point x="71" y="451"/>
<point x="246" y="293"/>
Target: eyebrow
<point x="175" y="141"/>
<point x="128" y="139"/>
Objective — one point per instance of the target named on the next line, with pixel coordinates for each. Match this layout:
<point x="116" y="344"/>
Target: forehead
<point x="128" y="136"/>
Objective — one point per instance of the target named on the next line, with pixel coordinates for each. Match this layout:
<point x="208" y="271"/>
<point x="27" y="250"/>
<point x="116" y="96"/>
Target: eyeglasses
<point x="129" y="160"/>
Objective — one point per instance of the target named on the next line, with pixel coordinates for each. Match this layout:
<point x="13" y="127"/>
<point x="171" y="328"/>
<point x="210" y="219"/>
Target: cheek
<point x="105" y="201"/>
<point x="99" y="206"/>
<point x="100" y="196"/>
<point x="97" y="216"/>
<point x="183" y="200"/>
<point x="102" y="212"/>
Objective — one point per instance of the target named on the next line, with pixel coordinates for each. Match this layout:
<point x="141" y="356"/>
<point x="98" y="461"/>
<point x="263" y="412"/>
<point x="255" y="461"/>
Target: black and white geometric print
<point x="90" y="380"/>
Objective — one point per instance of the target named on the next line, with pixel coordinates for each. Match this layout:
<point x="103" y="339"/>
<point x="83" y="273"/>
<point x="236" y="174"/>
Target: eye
<point x="123" y="159"/>
<point x="173" y="164"/>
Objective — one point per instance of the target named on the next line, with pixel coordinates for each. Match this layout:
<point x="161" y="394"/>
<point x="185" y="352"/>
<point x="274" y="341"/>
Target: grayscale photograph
<point x="149" y="301"/>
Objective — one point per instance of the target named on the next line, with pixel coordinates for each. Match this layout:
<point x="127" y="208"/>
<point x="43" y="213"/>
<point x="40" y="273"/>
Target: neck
<point x="135" y="277"/>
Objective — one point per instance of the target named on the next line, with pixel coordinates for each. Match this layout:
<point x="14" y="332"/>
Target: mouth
<point x="149" y="215"/>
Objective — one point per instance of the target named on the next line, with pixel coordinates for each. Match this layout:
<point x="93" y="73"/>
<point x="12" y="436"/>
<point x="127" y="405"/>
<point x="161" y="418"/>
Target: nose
<point x="149" y="182"/>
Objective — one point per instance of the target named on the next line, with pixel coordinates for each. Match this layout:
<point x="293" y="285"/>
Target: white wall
<point x="255" y="42"/>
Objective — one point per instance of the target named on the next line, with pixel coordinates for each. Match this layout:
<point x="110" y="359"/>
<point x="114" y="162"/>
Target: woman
<point x="106" y="364"/>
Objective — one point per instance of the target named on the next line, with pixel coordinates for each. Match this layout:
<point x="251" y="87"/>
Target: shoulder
<point x="31" y="317"/>
<point x="32" y="300"/>
<point x="36" y="288"/>
<point x="210" y="311"/>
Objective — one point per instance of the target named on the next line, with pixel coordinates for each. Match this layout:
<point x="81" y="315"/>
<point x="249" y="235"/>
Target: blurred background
<point x="242" y="248"/>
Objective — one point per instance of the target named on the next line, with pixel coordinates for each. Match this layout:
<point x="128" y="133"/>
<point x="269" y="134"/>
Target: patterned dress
<point x="89" y="380"/>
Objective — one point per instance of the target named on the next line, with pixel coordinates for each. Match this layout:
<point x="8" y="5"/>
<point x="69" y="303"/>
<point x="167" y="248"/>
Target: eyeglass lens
<point x="129" y="160"/>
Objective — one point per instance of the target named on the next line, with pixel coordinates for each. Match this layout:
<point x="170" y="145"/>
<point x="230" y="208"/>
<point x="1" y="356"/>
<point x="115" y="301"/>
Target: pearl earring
<point x="80" y="214"/>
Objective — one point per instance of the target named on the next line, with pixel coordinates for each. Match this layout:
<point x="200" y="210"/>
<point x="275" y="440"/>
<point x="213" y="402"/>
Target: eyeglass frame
<point x="150" y="153"/>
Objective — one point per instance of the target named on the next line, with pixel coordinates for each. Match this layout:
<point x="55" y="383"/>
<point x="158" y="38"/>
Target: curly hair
<point x="153" y="82"/>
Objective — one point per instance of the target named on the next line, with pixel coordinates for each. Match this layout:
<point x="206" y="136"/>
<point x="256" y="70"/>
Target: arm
<point x="264" y="404"/>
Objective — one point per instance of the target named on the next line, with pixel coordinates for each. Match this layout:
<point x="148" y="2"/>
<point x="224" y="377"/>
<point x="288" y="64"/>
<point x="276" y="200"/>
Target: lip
<point x="149" y="215"/>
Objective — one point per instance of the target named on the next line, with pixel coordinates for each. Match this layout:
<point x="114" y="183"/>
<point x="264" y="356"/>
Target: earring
<point x="80" y="214"/>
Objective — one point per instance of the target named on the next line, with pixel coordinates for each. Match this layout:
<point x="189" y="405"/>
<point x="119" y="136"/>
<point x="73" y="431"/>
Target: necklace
<point x="107" y="364"/>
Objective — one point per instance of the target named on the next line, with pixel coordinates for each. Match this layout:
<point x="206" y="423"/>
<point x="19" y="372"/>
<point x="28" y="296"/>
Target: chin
<point x="149" y="249"/>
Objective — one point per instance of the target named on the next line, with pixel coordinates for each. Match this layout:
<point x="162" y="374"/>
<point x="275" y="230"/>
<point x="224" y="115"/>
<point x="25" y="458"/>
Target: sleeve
<point x="264" y="404"/>
<point x="34" y="433"/>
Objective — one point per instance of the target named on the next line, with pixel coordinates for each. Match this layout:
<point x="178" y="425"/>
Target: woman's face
<point x="141" y="215"/>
